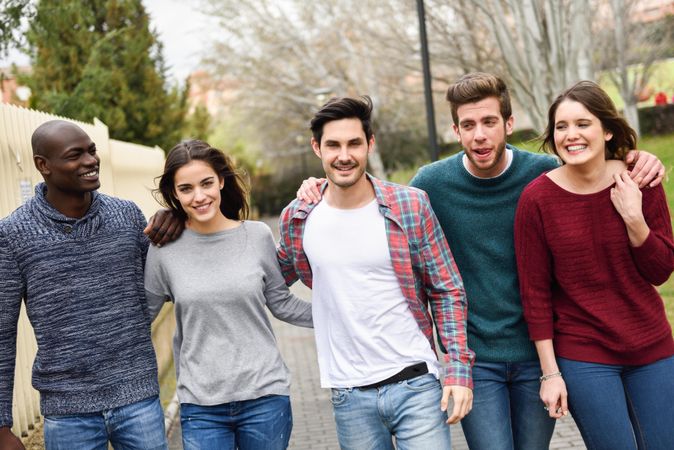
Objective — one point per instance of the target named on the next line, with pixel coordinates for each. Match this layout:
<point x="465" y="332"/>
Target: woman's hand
<point x="310" y="191"/>
<point x="626" y="198"/>
<point x="554" y="396"/>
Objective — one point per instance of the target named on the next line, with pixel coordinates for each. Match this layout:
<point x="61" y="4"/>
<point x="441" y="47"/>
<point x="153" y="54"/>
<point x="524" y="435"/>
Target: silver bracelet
<point x="552" y="375"/>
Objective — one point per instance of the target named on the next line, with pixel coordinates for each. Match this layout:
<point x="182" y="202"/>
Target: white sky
<point x="181" y="27"/>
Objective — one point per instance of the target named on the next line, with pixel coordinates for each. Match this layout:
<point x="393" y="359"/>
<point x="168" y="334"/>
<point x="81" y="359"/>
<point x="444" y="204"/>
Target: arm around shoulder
<point x="282" y="303"/>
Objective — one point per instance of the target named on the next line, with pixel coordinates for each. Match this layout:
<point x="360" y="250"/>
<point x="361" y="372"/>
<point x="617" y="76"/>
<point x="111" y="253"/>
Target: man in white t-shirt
<point x="382" y="275"/>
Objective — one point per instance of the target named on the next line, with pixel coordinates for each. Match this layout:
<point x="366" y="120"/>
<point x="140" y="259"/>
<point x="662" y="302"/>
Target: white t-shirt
<point x="364" y="329"/>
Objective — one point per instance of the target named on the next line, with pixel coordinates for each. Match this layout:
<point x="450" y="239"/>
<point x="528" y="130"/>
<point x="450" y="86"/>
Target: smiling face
<point x="482" y="132"/>
<point x="68" y="160"/>
<point x="343" y="151"/>
<point x="197" y="189"/>
<point x="579" y="135"/>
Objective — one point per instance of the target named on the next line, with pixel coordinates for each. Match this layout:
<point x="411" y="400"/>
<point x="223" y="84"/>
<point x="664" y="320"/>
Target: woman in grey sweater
<point x="233" y="385"/>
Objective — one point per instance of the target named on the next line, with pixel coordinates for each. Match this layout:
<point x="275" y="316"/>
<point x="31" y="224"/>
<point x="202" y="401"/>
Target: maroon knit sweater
<point x="583" y="284"/>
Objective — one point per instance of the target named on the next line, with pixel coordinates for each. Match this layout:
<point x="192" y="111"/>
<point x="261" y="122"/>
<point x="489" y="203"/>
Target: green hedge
<point x="657" y="120"/>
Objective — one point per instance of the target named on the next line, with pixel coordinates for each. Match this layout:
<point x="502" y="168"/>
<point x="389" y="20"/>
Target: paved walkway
<point x="314" y="427"/>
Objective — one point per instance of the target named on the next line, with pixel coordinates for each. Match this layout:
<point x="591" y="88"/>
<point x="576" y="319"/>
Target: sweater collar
<point x="501" y="178"/>
<point x="46" y="209"/>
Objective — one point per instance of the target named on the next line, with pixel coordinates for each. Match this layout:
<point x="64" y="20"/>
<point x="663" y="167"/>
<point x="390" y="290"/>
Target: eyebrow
<point x="190" y="184"/>
<point x="80" y="149"/>
<point x="582" y="119"/>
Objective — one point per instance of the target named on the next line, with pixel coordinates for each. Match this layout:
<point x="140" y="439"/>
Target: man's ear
<point x="41" y="164"/>
<point x="371" y="144"/>
<point x="456" y="132"/>
<point x="509" y="125"/>
<point x="315" y="146"/>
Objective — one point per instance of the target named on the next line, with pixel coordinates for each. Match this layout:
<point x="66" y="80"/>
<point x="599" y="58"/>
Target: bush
<point x="656" y="120"/>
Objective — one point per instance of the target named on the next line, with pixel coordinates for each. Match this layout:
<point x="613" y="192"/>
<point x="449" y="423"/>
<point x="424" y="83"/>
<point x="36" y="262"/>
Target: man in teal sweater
<point x="474" y="195"/>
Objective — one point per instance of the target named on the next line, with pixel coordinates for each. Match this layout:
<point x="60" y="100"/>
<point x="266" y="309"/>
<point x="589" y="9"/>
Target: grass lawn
<point x="662" y="146"/>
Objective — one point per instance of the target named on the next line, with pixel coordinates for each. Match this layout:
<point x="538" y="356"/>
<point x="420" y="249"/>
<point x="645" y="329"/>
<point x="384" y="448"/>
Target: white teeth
<point x="93" y="173"/>
<point x="573" y="148"/>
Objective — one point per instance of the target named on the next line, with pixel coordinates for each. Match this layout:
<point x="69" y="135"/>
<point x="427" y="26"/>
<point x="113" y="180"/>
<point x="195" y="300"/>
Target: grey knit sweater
<point x="82" y="280"/>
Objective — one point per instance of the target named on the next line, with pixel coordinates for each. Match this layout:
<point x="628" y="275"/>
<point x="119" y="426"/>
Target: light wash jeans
<point x="138" y="426"/>
<point x="367" y="419"/>
<point x="507" y="410"/>
<point x="263" y="423"/>
<point x="622" y="407"/>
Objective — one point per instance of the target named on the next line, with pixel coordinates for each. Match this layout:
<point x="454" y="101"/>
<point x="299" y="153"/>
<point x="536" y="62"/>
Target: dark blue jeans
<point x="507" y="411"/>
<point x="622" y="407"/>
<point x="138" y="426"/>
<point x="264" y="423"/>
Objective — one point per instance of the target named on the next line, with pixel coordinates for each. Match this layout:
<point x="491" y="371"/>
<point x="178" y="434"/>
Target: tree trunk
<point x="631" y="113"/>
<point x="376" y="165"/>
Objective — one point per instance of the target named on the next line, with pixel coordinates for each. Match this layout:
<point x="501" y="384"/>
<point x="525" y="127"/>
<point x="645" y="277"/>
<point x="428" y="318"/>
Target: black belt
<point x="406" y="374"/>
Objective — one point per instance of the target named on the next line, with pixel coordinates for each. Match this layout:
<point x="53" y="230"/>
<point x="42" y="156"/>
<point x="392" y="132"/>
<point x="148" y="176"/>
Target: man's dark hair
<point x="338" y="108"/>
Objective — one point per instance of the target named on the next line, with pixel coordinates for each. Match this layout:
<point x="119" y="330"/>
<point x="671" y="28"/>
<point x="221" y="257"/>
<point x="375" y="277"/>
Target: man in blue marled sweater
<point x="76" y="256"/>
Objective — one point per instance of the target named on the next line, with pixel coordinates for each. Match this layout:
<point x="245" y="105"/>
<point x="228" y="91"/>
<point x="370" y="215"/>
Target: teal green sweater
<point x="477" y="216"/>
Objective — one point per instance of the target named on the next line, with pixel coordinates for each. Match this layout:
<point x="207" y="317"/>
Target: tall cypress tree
<point x="98" y="58"/>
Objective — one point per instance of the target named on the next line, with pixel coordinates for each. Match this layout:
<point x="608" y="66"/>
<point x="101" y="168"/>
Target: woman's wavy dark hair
<point x="593" y="97"/>
<point x="234" y="198"/>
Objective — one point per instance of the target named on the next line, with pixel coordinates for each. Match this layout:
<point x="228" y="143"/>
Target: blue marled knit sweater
<point x="82" y="280"/>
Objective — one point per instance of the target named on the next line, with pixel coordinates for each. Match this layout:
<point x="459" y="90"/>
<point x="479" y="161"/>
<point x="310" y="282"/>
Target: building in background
<point x="12" y="92"/>
<point x="650" y="10"/>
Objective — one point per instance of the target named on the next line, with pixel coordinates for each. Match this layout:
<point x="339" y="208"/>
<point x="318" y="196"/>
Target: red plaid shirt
<point x="422" y="262"/>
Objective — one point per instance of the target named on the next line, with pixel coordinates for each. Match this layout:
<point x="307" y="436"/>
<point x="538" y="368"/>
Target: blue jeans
<point x="264" y="423"/>
<point x="622" y="407"/>
<point x="409" y="410"/>
<point x="507" y="411"/>
<point x="138" y="426"/>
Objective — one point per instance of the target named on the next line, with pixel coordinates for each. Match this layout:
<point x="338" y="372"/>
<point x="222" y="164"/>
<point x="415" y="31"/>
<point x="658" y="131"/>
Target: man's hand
<point x="645" y="168"/>
<point x="310" y="191"/>
<point x="164" y="227"/>
<point x="8" y="441"/>
<point x="463" y="402"/>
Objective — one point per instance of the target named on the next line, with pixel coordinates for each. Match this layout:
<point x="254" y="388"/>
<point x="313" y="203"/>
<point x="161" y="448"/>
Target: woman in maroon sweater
<point x="590" y="246"/>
